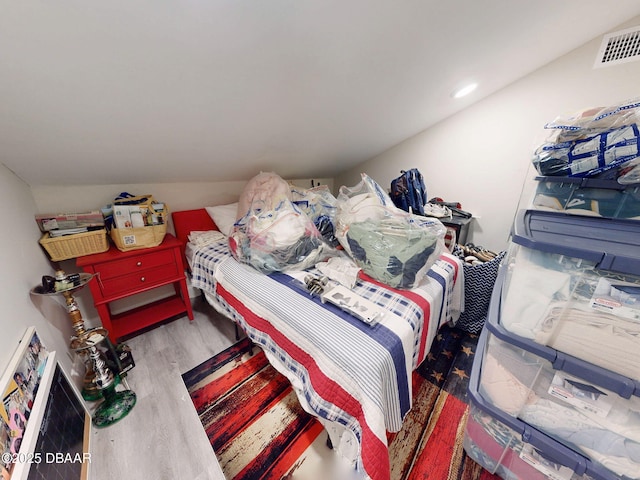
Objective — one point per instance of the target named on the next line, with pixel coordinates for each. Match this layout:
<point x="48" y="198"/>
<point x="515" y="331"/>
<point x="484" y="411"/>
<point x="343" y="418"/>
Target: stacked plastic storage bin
<point x="555" y="386"/>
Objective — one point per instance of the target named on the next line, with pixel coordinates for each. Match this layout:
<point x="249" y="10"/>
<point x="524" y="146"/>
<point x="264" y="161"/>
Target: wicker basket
<point x="72" y="246"/>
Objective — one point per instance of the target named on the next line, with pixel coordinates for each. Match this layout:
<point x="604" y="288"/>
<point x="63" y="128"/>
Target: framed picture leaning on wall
<point x="36" y="399"/>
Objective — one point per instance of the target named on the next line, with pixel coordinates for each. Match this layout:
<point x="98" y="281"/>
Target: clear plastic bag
<point x="594" y="120"/>
<point x="390" y="245"/>
<point x="630" y="173"/>
<point x="275" y="235"/>
<point x="320" y="206"/>
<point x="590" y="142"/>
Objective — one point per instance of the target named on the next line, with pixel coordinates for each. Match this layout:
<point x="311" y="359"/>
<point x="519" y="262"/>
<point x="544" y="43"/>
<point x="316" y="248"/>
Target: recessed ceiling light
<point x="466" y="90"/>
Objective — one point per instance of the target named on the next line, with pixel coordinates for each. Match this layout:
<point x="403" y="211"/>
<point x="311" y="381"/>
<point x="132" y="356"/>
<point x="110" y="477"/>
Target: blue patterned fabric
<point x="478" y="286"/>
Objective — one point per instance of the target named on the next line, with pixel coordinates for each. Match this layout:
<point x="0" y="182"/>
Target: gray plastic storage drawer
<point x="501" y="450"/>
<point x="512" y="387"/>
<point x="573" y="284"/>
<point x="587" y="196"/>
<point x="595" y="421"/>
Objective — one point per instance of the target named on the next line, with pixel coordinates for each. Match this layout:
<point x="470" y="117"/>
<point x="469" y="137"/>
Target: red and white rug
<point x="258" y="429"/>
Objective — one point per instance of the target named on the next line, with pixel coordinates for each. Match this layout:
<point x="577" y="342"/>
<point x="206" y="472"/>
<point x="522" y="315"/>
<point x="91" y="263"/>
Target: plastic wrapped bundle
<point x="590" y="142"/>
<point x="390" y="245"/>
<point x="320" y="206"/>
<point x="274" y="234"/>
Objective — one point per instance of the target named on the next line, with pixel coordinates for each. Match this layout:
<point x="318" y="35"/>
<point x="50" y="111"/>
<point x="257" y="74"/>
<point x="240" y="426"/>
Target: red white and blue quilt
<point x="356" y="378"/>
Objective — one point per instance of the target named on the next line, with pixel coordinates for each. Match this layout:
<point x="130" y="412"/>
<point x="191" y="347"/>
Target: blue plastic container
<point x="518" y="439"/>
<point x="587" y="196"/>
<point x="572" y="283"/>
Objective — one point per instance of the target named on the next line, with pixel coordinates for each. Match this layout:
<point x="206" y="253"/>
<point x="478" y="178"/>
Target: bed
<point x="356" y="378"/>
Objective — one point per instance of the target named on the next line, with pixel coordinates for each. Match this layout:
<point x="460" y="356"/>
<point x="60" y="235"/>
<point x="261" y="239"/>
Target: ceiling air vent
<point x="619" y="47"/>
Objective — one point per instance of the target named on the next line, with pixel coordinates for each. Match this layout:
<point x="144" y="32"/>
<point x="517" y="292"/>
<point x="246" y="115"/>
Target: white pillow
<point x="224" y="216"/>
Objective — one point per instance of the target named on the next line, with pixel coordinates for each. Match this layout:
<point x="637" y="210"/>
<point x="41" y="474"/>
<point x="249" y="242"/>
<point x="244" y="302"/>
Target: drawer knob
<point x="142" y="279"/>
<point x="139" y="264"/>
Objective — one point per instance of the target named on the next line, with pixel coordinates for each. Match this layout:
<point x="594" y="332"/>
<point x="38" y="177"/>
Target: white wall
<point x="24" y="263"/>
<point x="178" y="196"/>
<point x="480" y="156"/>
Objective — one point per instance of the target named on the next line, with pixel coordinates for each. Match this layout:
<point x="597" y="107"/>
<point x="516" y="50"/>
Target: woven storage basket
<point x="72" y="246"/>
<point x="479" y="281"/>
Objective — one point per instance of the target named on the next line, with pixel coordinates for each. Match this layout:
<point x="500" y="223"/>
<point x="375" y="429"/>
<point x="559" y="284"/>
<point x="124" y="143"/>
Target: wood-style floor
<point x="162" y="438"/>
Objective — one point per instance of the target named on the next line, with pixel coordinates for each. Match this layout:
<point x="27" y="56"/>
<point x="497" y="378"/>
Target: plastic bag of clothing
<point x="262" y="192"/>
<point x="320" y="206"/>
<point x="590" y="142"/>
<point x="274" y="234"/>
<point x="390" y="245"/>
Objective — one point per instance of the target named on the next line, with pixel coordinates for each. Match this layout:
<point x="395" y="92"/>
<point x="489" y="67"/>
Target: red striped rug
<point x="258" y="429"/>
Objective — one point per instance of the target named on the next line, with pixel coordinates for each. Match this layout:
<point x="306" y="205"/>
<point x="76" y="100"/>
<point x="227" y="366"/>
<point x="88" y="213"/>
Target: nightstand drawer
<point x="136" y="281"/>
<point x="135" y="265"/>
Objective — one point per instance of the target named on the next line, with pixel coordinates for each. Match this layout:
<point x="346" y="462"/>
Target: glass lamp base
<point x="91" y="392"/>
<point x="116" y="406"/>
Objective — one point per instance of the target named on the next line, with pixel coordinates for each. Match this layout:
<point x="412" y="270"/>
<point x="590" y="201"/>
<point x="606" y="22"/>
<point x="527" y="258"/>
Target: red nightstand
<point x="123" y="274"/>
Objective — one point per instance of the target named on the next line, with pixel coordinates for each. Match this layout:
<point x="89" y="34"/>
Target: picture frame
<point x="34" y="390"/>
<point x="21" y="403"/>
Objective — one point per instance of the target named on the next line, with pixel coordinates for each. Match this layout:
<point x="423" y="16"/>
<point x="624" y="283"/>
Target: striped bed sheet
<point x="354" y="377"/>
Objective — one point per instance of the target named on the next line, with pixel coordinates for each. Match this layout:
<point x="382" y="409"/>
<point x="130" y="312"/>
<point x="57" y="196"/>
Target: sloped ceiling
<point x="138" y="91"/>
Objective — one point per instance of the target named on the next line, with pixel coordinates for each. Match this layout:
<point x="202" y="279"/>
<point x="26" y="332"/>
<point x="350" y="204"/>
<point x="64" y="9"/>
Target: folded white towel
<point x="201" y="239"/>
